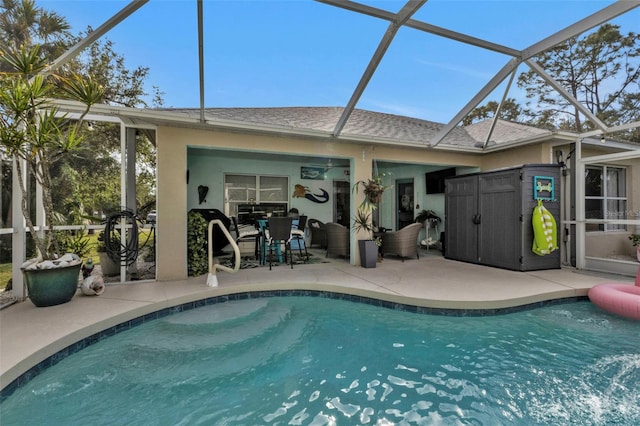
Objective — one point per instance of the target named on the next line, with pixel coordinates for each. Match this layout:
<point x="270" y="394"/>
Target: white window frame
<point x="605" y="198"/>
<point x="230" y="206"/>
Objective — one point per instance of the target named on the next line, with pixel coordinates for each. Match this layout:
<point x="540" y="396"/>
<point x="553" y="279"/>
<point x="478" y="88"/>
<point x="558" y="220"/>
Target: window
<point x="243" y="189"/>
<point x="605" y="196"/>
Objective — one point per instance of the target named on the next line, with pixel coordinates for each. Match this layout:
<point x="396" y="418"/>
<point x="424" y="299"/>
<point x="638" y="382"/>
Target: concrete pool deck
<point x="30" y="335"/>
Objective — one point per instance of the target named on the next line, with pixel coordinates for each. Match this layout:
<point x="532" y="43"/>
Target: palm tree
<point x="89" y="177"/>
<point x="22" y="23"/>
<point x="33" y="130"/>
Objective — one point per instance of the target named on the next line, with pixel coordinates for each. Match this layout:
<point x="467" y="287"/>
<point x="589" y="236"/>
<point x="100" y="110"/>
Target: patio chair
<point x="247" y="234"/>
<point x="403" y="243"/>
<point x="337" y="239"/>
<point x="297" y="236"/>
<point x="318" y="233"/>
<point x="279" y="232"/>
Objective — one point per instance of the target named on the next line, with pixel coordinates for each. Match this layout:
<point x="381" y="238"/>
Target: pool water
<point x="318" y="361"/>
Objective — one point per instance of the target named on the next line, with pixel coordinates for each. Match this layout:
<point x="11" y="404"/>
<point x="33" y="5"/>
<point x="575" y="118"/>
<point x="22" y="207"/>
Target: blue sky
<point x="304" y="53"/>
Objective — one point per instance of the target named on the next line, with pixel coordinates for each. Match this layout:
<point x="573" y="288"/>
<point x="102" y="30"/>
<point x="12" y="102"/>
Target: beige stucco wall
<point x="531" y="154"/>
<point x="173" y="144"/>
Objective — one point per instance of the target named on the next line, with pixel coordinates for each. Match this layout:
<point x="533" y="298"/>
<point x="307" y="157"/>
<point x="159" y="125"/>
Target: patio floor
<point x="30" y="335"/>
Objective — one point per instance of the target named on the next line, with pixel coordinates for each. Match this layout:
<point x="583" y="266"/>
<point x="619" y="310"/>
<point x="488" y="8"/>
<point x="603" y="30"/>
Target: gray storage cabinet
<point x="488" y="216"/>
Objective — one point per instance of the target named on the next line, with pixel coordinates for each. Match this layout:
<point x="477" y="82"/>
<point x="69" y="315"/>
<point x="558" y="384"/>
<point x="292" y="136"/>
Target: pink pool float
<point x="617" y="298"/>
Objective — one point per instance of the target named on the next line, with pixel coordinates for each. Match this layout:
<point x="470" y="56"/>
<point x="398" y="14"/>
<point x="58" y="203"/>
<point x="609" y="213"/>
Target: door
<point x="404" y="202"/>
<point x="341" y="201"/>
<point x="499" y="207"/>
<point x="462" y="220"/>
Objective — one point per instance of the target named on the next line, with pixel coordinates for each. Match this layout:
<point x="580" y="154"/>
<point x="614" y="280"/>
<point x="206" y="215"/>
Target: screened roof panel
<point x="327" y="53"/>
<point x="280" y="55"/>
<point x="514" y="23"/>
<point x="418" y="78"/>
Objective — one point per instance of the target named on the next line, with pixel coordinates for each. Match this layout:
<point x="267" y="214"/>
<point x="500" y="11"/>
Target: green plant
<point x="635" y="239"/>
<point x="425" y="215"/>
<point x="362" y="222"/>
<point x="372" y="189"/>
<point x="101" y="247"/>
<point x="34" y="130"/>
<point x="197" y="261"/>
<point x="75" y="242"/>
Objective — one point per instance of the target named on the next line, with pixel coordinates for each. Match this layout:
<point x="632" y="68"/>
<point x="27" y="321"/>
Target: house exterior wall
<point x="208" y="166"/>
<point x="175" y="197"/>
<point x="530" y="154"/>
<point x="171" y="242"/>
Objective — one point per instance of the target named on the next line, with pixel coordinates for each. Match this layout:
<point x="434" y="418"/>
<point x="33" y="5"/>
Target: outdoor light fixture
<point x="602" y="139"/>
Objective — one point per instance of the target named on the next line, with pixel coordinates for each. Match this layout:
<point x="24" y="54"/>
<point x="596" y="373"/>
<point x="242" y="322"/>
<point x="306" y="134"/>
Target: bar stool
<point x="279" y="232"/>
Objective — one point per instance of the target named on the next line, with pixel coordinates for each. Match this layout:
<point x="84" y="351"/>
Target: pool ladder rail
<point x="212" y="279"/>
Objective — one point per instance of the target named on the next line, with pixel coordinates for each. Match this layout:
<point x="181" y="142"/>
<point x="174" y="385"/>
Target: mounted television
<point x="434" y="181"/>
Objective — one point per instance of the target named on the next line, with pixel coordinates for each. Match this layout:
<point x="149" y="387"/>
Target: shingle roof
<point x="363" y="123"/>
<point x="504" y="131"/>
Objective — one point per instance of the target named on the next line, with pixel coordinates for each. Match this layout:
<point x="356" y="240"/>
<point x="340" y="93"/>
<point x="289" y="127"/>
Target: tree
<point x="94" y="167"/>
<point x="33" y="130"/>
<point x="22" y="23"/>
<point x="601" y="70"/>
<point x="510" y="111"/>
<point x="123" y="87"/>
<point x="97" y="164"/>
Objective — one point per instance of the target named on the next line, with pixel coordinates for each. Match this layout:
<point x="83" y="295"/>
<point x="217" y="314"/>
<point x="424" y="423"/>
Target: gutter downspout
<point x="201" y="58"/>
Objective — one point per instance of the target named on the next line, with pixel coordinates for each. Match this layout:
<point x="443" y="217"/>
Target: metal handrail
<point x="212" y="279"/>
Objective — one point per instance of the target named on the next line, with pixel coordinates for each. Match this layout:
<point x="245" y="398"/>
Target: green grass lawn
<point x="92" y="252"/>
<point x="5" y="274"/>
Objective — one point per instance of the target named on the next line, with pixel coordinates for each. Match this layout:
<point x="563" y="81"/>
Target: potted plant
<point x="372" y="189"/>
<point x="108" y="266"/>
<point x="368" y="248"/>
<point x="427" y="218"/>
<point x="363" y="220"/>
<point x="425" y="215"/>
<point x="35" y="132"/>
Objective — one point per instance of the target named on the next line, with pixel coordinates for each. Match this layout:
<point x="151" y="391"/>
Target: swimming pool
<point x="317" y="361"/>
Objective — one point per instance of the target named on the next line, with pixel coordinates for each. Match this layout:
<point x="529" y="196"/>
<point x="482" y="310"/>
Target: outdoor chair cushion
<point x="403" y="243"/>
<point x="318" y="233"/>
<point x="337" y="239"/>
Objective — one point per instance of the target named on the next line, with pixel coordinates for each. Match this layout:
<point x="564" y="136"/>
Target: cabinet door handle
<point x="476" y="219"/>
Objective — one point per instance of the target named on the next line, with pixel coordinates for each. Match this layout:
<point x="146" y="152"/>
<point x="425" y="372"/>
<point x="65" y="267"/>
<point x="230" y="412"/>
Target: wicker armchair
<point x="403" y="243"/>
<point x="318" y="233"/>
<point x="337" y="239"/>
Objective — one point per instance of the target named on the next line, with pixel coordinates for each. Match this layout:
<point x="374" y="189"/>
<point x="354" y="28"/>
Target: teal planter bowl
<point x="49" y="287"/>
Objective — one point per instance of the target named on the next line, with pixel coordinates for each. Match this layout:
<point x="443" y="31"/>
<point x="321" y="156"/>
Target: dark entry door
<point x="404" y="203"/>
<point x="341" y="201"/>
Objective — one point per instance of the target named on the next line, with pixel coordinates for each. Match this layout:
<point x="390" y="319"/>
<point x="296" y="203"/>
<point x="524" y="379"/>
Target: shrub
<point x="197" y="262"/>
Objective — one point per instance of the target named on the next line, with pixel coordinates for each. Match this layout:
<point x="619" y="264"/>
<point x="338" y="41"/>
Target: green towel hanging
<point x="545" y="234"/>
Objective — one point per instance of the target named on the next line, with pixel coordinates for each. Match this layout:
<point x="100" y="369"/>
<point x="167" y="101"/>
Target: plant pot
<point x="368" y="253"/>
<point x="108" y="267"/>
<point x="375" y="198"/>
<point x="49" y="287"/>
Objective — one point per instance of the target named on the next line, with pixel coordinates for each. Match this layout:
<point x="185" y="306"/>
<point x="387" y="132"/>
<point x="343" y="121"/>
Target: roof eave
<point x="545" y="137"/>
<point x="169" y="118"/>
